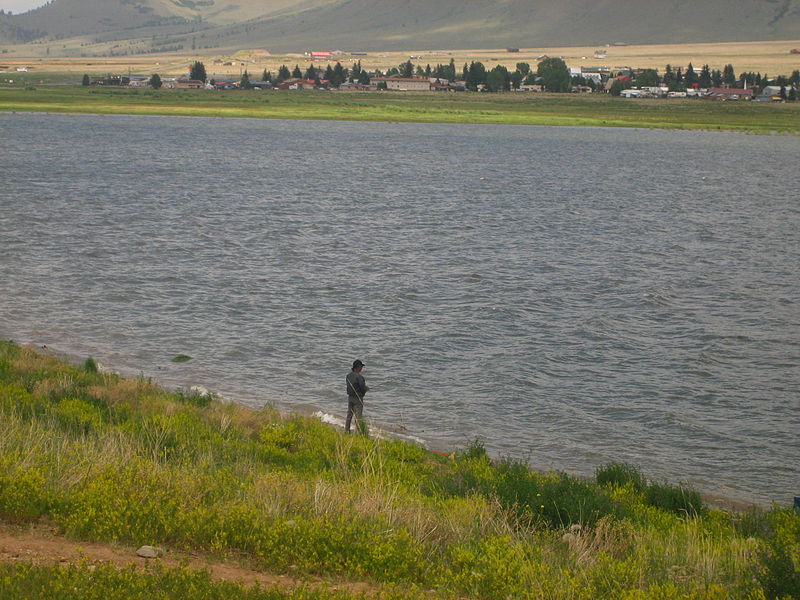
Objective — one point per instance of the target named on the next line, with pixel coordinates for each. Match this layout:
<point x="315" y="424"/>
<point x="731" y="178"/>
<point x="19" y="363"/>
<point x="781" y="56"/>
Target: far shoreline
<point x="509" y="108"/>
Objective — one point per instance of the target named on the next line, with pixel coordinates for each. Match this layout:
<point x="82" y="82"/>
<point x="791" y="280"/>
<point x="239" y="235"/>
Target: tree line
<point x="551" y="73"/>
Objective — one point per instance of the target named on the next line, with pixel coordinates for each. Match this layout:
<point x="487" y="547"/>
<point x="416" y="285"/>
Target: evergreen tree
<point x="155" y="81"/>
<point x="716" y="78"/>
<point x="792" y="97"/>
<point x="428" y="71"/>
<point x="266" y="76"/>
<point x="704" y="79"/>
<point x="406" y="69"/>
<point x="198" y="72"/>
<point x="516" y="80"/>
<point x="311" y="73"/>
<point x="450" y="75"/>
<point x="420" y="72"/>
<point x="329" y="73"/>
<point x="523" y="68"/>
<point x="616" y="87"/>
<point x="283" y="74"/>
<point x="339" y="75"/>
<point x="297" y="73"/>
<point x="363" y="77"/>
<point x="728" y="76"/>
<point x="690" y="77"/>
<point x="244" y="82"/>
<point x="794" y="78"/>
<point x="783" y="92"/>
<point x="465" y="72"/>
<point x="85" y="80"/>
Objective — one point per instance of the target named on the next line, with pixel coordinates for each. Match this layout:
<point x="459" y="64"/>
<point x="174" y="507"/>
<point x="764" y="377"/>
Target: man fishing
<point x="356" y="388"/>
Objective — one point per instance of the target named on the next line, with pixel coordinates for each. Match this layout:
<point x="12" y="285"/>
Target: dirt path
<point x="40" y="545"/>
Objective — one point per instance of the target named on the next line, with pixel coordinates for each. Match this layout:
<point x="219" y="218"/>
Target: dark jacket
<point x="356" y="386"/>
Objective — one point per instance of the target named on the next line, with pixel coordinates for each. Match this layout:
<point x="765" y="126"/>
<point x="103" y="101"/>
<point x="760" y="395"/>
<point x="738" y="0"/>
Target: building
<point x="405" y="84"/>
<point x="730" y="94"/>
<point x="187" y="84"/>
<point x="319" y="55"/>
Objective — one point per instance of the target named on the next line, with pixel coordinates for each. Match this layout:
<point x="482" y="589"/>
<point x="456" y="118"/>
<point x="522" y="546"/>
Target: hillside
<point x="139" y="26"/>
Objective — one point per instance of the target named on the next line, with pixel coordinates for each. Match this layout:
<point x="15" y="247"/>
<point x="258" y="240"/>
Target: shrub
<point x="23" y="493"/>
<point x="621" y="474"/>
<point x="89" y="365"/>
<point x="78" y="416"/>
<point x="779" y="557"/>
<point x="676" y="499"/>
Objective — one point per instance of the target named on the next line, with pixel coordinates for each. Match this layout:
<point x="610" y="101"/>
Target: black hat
<point x="357" y="364"/>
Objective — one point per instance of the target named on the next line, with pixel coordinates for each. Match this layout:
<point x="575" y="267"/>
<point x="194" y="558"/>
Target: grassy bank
<point x="122" y="460"/>
<point x="507" y="109"/>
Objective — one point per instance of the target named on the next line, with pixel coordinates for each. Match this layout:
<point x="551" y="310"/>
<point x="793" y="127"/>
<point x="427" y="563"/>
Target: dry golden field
<point x="771" y="57"/>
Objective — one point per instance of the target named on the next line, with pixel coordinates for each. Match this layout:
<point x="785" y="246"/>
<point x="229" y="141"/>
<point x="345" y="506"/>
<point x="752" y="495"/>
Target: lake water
<point x="570" y="296"/>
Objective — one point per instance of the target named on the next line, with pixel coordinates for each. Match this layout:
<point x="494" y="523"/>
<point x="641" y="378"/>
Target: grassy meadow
<point x="123" y="461"/>
<point x="508" y="109"/>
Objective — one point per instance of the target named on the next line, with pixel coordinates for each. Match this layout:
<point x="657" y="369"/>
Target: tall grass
<point x="110" y="459"/>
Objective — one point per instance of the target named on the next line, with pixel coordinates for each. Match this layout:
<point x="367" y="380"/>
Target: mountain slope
<point x="295" y="25"/>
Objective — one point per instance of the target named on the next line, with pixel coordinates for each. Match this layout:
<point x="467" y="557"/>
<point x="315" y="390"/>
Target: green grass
<point x="509" y="108"/>
<point x="109" y="459"/>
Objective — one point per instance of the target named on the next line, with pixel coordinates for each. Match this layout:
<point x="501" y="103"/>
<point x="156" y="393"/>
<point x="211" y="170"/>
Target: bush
<point x="676" y="499"/>
<point x="78" y="416"/>
<point x="23" y="494"/>
<point x="779" y="557"/>
<point x="621" y="474"/>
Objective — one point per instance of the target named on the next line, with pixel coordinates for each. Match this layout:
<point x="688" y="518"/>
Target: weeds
<point x="105" y="458"/>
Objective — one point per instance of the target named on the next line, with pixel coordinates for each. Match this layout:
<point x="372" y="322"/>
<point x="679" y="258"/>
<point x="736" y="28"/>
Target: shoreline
<point x="380" y="431"/>
<point x="546" y="110"/>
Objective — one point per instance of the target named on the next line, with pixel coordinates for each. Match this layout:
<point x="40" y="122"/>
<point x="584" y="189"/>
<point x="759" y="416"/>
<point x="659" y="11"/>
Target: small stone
<point x="149" y="552"/>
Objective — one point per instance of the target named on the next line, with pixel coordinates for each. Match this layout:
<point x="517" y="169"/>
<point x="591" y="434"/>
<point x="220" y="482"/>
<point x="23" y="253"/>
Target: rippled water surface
<point x="571" y="296"/>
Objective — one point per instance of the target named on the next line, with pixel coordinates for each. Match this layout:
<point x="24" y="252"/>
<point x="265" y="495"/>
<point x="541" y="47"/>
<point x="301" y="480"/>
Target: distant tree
<point x="406" y="69"/>
<point x="716" y="78"/>
<point x="498" y="79"/>
<point x="297" y="73"/>
<point x="328" y="73"/>
<point x="244" y="82"/>
<point x="155" y="81"/>
<point x="465" y="72"/>
<point x="382" y="85"/>
<point x="794" y="78"/>
<point x="648" y="78"/>
<point x="728" y="76"/>
<point x="523" y="68"/>
<point x="792" y="97"/>
<point x="555" y="75"/>
<point x="616" y="87"/>
<point x="266" y="76"/>
<point x="451" y="70"/>
<point x="783" y="94"/>
<point x="85" y="80"/>
<point x="476" y="75"/>
<point x="363" y="77"/>
<point x="339" y="75"/>
<point x="420" y="72"/>
<point x="690" y="77"/>
<point x="283" y="74"/>
<point x="311" y="73"/>
<point x="428" y="71"/>
<point x="704" y="79"/>
<point x="516" y="79"/>
<point x="198" y="72"/>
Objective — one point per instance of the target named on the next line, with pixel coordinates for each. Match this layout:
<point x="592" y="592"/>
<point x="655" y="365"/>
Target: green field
<point x="92" y="456"/>
<point x="508" y="109"/>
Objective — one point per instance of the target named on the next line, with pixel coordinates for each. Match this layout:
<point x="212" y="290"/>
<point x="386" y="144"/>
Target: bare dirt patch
<point x="40" y="545"/>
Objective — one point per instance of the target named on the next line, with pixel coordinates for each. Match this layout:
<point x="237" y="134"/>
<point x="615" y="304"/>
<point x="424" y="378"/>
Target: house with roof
<point x="404" y="84"/>
<point x="730" y="94"/>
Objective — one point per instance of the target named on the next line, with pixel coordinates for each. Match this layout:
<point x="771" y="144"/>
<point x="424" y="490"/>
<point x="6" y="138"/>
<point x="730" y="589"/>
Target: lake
<point x="567" y="296"/>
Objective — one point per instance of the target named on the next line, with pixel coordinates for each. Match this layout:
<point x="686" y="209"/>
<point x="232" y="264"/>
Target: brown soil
<point x="41" y="545"/>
